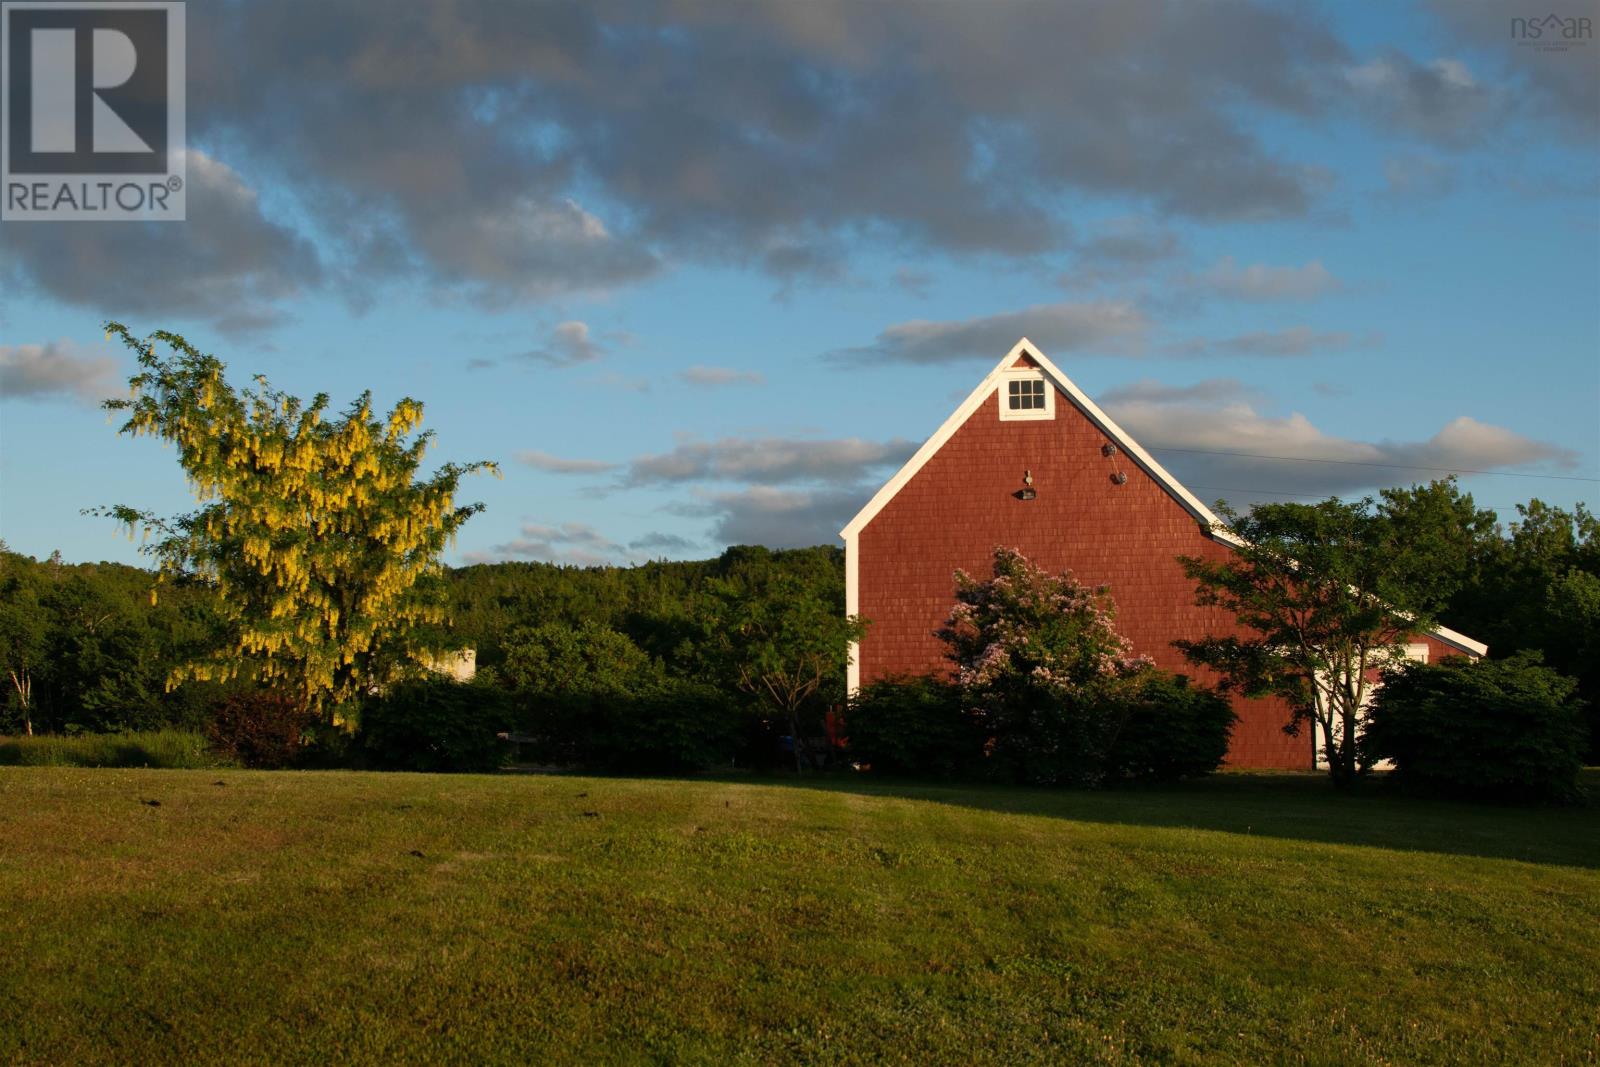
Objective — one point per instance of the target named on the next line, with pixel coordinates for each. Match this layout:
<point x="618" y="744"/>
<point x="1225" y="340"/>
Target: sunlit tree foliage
<point x="316" y="531"/>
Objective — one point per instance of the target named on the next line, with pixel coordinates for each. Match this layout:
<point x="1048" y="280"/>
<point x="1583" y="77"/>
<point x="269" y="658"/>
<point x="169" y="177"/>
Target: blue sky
<point x="707" y="276"/>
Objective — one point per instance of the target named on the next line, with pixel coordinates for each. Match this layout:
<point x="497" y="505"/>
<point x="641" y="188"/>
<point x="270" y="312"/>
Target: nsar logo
<point x="1552" y="33"/>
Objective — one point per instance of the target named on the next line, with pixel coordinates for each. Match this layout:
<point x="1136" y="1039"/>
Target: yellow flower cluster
<point x="319" y="532"/>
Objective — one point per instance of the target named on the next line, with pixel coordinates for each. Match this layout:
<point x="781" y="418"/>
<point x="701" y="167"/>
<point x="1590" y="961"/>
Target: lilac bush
<point x="1040" y="664"/>
<point x="1026" y="626"/>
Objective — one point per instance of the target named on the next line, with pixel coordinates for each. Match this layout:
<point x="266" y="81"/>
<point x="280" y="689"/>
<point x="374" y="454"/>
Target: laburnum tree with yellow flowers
<point x="318" y="534"/>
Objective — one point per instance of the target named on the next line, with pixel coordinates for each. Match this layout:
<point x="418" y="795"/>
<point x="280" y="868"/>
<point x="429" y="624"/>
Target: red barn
<point x="1096" y="504"/>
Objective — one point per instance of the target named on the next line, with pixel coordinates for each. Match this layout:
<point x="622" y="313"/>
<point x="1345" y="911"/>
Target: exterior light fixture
<point x="1027" y="492"/>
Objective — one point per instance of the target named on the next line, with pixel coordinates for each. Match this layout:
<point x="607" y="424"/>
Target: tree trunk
<point x="24" y="686"/>
<point x="794" y="739"/>
<point x="1345" y="774"/>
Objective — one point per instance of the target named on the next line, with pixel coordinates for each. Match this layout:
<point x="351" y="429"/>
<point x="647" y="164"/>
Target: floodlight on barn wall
<point x="1027" y="492"/>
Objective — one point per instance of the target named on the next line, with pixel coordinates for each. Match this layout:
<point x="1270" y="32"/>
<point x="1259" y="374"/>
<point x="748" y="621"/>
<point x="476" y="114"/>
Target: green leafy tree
<point x="1534" y="586"/>
<point x="24" y="629"/>
<point x="1447" y="532"/>
<point x="782" y="635"/>
<point x="82" y="647"/>
<point x="1326" y="595"/>
<point x="317" y="533"/>
<point x="1506" y="728"/>
<point x="554" y="658"/>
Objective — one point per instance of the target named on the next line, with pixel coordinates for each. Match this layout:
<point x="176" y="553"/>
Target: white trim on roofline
<point x="1212" y="526"/>
<point x="1457" y="640"/>
<point x="1202" y="514"/>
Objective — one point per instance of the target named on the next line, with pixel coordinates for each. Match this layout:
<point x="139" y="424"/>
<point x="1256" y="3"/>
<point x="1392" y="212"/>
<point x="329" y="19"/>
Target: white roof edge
<point x="1458" y="640"/>
<point x="1203" y="515"/>
<point x="946" y="430"/>
<point x="1080" y="400"/>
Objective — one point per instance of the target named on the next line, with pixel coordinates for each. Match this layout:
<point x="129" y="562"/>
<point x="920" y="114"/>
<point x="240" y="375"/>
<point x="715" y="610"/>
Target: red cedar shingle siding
<point x="959" y="506"/>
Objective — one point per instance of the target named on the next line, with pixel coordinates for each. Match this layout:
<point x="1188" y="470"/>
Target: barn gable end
<point x="1099" y="505"/>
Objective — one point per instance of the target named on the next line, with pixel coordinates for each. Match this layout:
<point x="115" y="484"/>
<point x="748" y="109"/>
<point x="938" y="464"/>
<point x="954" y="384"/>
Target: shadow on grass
<point x="1300" y="807"/>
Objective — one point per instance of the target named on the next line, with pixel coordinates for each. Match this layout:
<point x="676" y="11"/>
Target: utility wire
<point x="1318" y="496"/>
<point x="1363" y="463"/>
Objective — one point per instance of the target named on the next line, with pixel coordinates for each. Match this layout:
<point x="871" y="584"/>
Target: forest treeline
<point x="87" y="647"/>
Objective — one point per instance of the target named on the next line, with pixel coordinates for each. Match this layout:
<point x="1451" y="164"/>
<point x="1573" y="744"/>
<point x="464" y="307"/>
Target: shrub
<point x="914" y="725"/>
<point x="1169" y="729"/>
<point x="434" y="724"/>
<point x="175" y="749"/>
<point x="1044" y="736"/>
<point x="590" y="697"/>
<point x="1039" y="660"/>
<point x="1151" y="726"/>
<point x="662" y="725"/>
<point x="332" y="745"/>
<point x="1508" y="728"/>
<point x="259" y="728"/>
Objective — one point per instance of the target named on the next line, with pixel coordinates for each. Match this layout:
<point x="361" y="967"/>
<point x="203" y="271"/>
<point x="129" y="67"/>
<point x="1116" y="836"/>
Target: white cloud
<point x="777" y="518"/>
<point x="232" y="264"/>
<point x="56" y="369"/>
<point x="768" y="460"/>
<point x="1213" y="436"/>
<point x="613" y="380"/>
<point x="1417" y="175"/>
<point x="700" y="374"/>
<point x="788" y="492"/>
<point x="1100" y="327"/>
<point x="574" y="543"/>
<point x="1441" y="101"/>
<point x="567" y="344"/>
<point x="1150" y="391"/>
<point x="1261" y="281"/>
<point x="544" y="461"/>
<point x="659" y="544"/>
<point x="1274" y="344"/>
<point x="529" y="250"/>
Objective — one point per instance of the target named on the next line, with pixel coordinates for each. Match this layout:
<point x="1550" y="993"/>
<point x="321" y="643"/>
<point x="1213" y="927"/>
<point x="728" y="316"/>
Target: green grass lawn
<point x="336" y="917"/>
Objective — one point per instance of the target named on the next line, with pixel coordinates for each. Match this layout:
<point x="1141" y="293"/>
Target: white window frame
<point x="1030" y="414"/>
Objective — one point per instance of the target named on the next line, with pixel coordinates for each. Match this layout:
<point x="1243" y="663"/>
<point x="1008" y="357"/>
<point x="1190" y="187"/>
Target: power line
<point x="1318" y="496"/>
<point x="1263" y="492"/>
<point x="1362" y="463"/>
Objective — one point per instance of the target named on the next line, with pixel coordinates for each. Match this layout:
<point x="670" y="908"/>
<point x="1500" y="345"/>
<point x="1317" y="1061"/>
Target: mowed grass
<point x="343" y="917"/>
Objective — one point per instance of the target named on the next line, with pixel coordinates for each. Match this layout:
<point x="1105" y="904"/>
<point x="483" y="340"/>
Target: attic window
<point x="1027" y="396"/>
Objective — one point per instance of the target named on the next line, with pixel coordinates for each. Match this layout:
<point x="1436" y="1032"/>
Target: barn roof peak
<point x="1025" y="354"/>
